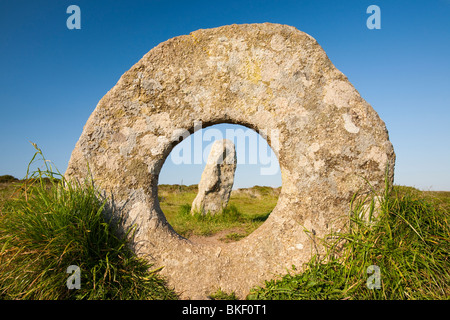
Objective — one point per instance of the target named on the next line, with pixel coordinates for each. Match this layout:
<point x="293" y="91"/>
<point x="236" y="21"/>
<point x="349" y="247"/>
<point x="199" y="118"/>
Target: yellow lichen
<point x="197" y="42"/>
<point x="104" y="144"/>
<point x="253" y="70"/>
<point x="119" y="113"/>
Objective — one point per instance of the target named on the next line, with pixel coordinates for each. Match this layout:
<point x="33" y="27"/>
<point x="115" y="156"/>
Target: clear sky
<point x="51" y="78"/>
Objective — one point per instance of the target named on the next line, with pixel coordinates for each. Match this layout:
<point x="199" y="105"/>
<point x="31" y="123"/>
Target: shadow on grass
<point x="261" y="218"/>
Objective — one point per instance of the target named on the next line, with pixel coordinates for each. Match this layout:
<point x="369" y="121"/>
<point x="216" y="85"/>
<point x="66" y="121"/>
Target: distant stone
<point x="217" y="179"/>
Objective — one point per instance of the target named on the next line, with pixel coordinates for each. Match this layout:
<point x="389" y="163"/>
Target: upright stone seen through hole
<point x="219" y="184"/>
<point x="217" y="179"/>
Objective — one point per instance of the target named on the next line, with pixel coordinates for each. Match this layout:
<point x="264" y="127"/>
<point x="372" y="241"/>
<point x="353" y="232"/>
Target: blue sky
<point x="51" y="77"/>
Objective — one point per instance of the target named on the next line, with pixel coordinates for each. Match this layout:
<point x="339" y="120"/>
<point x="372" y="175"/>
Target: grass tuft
<point x="221" y="295"/>
<point x="409" y="241"/>
<point x="53" y="224"/>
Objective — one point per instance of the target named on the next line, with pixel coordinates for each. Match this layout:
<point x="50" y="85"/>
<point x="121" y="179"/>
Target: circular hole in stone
<point x="255" y="188"/>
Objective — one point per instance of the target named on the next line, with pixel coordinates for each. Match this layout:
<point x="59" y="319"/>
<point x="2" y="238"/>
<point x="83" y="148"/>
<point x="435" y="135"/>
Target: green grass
<point x="52" y="224"/>
<point x="207" y="224"/>
<point x="409" y="242"/>
<point x="221" y="295"/>
<point x="231" y="218"/>
<point x="244" y="211"/>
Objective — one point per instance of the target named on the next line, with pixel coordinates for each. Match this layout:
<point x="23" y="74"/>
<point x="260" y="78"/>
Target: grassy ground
<point x="247" y="210"/>
<point x="44" y="228"/>
<point x="41" y="236"/>
<point x="403" y="255"/>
